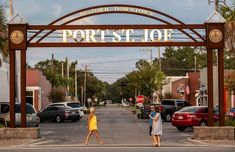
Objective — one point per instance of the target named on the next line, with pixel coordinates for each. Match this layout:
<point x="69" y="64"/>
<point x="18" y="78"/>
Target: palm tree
<point x="229" y="14"/>
<point x="3" y="32"/>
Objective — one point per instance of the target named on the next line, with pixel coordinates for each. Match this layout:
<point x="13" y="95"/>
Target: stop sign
<point x="140" y="99"/>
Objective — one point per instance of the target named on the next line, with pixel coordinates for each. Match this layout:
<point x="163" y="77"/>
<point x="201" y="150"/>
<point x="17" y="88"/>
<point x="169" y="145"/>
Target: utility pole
<point x="76" y="85"/>
<point x="52" y="70"/>
<point x="84" y="92"/>
<point x="150" y="53"/>
<point x="11" y="8"/>
<point x="62" y="69"/>
<point x="82" y="97"/>
<point x="160" y="61"/>
<point x="217" y="3"/>
<point x="195" y="63"/>
<point x="67" y="62"/>
<point x="159" y="94"/>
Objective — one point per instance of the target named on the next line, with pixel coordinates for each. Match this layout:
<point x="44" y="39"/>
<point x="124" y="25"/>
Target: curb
<point x="209" y="144"/>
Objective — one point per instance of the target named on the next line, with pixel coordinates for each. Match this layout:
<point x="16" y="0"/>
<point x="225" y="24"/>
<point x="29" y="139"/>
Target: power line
<point x="127" y="60"/>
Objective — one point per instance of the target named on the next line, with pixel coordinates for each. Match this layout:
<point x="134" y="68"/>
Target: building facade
<point x="183" y="87"/>
<point x="37" y="89"/>
<point x="4" y="80"/>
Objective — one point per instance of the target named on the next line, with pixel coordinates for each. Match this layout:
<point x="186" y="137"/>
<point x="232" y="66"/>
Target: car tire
<point x="58" y="118"/>
<point x="203" y="123"/>
<point x="181" y="128"/>
<point x="41" y="120"/>
<point x="37" y="125"/>
<point x="168" y="117"/>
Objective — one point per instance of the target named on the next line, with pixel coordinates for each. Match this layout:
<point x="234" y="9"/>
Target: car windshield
<point x="74" y="105"/>
<point x="189" y="109"/>
<point x="168" y="102"/>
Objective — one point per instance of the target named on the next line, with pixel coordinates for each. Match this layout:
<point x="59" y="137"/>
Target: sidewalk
<point x="14" y="142"/>
<point x="226" y="143"/>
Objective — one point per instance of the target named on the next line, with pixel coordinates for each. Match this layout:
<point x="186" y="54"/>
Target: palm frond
<point x="229" y="14"/>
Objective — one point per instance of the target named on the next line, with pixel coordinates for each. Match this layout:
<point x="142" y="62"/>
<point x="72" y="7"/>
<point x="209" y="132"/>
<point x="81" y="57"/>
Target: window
<point x="186" y="104"/>
<point x="58" y="105"/>
<point x="205" y="110"/>
<point x="29" y="93"/>
<point x="180" y="104"/>
<point x="49" y="109"/>
<point x="17" y="108"/>
<point x="29" y="109"/>
<point x="189" y="109"/>
<point x="5" y="108"/>
<point x="74" y="105"/>
<point x="168" y="102"/>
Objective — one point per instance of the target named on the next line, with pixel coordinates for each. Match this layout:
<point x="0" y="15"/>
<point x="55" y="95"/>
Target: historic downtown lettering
<point x="127" y="35"/>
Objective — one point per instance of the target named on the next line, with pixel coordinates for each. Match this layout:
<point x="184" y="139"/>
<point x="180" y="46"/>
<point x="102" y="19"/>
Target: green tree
<point x="95" y="87"/>
<point x="179" y="61"/>
<point x="144" y="80"/>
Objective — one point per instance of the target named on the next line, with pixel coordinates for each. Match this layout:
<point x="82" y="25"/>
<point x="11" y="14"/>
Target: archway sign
<point x="168" y="31"/>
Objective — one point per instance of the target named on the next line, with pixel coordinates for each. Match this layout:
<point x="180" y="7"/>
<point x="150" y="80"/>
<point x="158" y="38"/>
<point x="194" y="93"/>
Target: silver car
<point x="73" y="105"/>
<point x="32" y="120"/>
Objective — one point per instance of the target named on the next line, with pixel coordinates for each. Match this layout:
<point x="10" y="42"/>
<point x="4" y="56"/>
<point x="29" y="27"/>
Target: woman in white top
<point x="157" y="128"/>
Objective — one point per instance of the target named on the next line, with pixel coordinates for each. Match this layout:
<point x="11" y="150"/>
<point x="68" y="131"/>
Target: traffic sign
<point x="140" y="99"/>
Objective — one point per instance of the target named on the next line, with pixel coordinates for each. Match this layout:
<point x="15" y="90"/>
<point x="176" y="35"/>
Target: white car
<point x="32" y="120"/>
<point x="73" y="105"/>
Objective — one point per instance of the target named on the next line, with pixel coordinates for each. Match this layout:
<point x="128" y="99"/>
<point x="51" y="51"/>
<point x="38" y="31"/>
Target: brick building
<point x="37" y="89"/>
<point x="186" y="88"/>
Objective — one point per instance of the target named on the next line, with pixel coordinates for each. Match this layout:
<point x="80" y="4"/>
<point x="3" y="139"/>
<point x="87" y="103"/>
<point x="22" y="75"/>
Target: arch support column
<point x="221" y="86"/>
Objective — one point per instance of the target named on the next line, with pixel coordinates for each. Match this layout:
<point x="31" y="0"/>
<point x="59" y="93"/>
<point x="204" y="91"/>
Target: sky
<point x="108" y="64"/>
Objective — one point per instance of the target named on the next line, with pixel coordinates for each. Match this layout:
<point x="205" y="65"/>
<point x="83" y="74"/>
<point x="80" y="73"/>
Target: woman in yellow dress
<point x="92" y="126"/>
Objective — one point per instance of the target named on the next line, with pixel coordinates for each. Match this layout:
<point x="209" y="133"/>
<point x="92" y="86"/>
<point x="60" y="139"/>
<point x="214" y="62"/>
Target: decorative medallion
<point x="215" y="36"/>
<point x="17" y="37"/>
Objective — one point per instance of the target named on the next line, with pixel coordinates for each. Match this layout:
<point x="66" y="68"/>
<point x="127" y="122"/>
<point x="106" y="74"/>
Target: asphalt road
<point x="116" y="126"/>
<point x="119" y="129"/>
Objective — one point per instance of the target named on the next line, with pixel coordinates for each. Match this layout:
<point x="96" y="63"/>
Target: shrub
<point x="56" y="95"/>
<point x="228" y="122"/>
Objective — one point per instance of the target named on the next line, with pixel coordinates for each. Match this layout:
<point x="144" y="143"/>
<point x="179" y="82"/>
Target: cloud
<point x="57" y="10"/>
<point x="85" y="21"/>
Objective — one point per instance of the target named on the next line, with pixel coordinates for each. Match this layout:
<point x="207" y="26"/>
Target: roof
<point x="215" y="17"/>
<point x="18" y="19"/>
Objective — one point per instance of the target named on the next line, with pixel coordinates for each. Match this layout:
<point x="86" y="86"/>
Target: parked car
<point x="32" y="120"/>
<point x="145" y="111"/>
<point x="231" y="114"/>
<point x="73" y="105"/>
<point x="192" y="116"/>
<point x="167" y="108"/>
<point x="59" y="114"/>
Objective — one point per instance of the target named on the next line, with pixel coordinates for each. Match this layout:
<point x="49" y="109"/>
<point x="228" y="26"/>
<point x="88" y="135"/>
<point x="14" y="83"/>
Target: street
<point x="116" y="126"/>
<point x="119" y="129"/>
